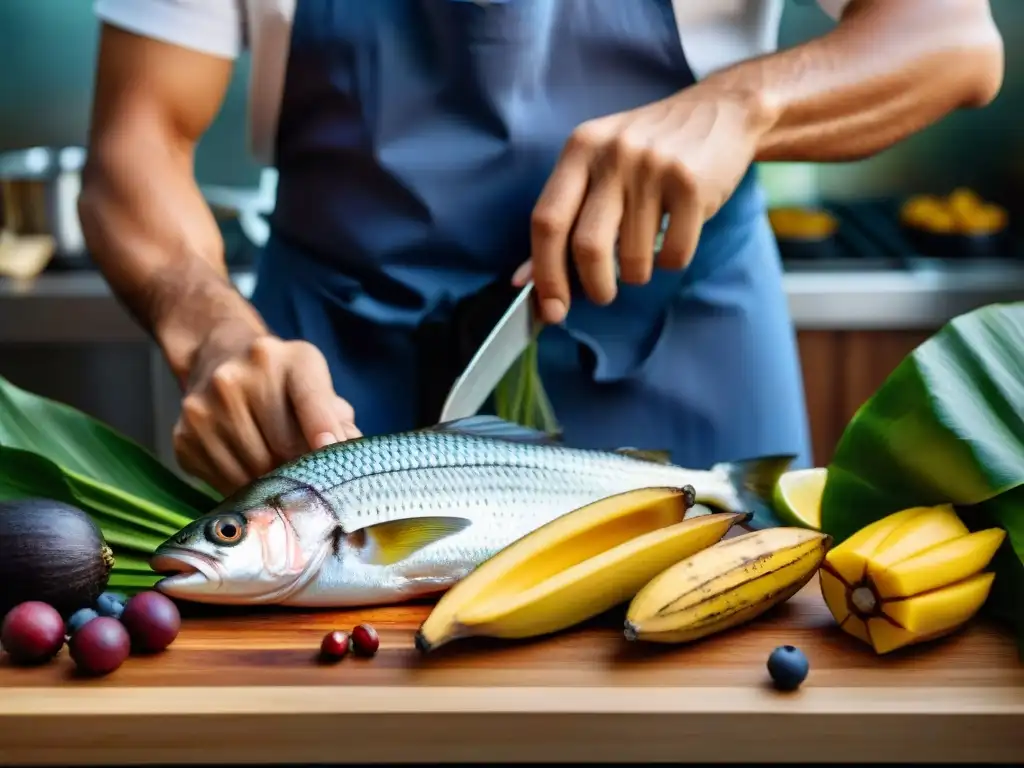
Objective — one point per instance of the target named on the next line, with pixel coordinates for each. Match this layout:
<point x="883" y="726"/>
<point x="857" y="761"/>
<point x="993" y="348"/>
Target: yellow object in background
<point x="24" y="257"/>
<point x="913" y="576"/>
<point x="963" y="212"/>
<point x="791" y="223"/>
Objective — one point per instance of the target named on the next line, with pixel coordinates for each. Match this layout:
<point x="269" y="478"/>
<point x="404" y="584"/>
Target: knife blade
<point x="508" y="340"/>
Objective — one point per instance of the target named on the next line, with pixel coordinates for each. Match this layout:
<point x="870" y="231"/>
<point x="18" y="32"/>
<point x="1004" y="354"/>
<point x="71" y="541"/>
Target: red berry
<point x="32" y="632"/>
<point x="101" y="646"/>
<point x="335" y="645"/>
<point x="152" y="621"/>
<point x="365" y="640"/>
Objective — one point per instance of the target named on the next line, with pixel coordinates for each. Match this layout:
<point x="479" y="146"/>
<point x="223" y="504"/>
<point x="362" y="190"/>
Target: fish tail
<point x="754" y="481"/>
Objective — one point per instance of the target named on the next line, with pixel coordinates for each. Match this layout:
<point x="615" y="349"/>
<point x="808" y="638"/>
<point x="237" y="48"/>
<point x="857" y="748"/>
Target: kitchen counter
<point x="78" y="306"/>
<point x="246" y="689"/>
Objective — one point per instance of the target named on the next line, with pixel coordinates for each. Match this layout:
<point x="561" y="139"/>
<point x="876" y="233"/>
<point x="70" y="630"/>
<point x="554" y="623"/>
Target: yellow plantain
<point x="588" y="557"/>
<point x="725" y="585"/>
<point x="595" y="585"/>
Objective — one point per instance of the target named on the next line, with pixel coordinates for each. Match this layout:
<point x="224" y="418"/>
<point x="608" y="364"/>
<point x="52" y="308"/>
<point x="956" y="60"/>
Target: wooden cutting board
<point x="246" y="688"/>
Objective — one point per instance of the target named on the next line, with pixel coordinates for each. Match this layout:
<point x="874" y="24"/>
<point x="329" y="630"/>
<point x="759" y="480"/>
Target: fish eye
<point x="226" y="530"/>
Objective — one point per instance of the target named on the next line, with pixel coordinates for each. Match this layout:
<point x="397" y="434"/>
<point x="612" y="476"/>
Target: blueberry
<point x="788" y="667"/>
<point x="111" y="604"/>
<point x="80" y="618"/>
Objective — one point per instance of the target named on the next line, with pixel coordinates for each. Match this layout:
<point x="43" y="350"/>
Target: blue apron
<point x="413" y="140"/>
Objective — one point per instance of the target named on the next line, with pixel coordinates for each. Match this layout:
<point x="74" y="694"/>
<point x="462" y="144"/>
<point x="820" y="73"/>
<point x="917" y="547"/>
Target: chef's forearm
<point x="153" y="236"/>
<point x="144" y="219"/>
<point x="888" y="69"/>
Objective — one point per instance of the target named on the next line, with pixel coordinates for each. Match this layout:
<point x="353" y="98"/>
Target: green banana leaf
<point x="520" y="396"/>
<point x="50" y="450"/>
<point x="91" y="452"/>
<point x="947" y="426"/>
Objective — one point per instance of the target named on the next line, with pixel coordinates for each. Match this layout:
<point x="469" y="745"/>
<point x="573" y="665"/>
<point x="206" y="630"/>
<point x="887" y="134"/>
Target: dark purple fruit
<point x="152" y="620"/>
<point x="334" y="645"/>
<point x="32" y="632"/>
<point x="365" y="640"/>
<point x="100" y="647"/>
<point x="51" y="552"/>
<point x="111" y="604"/>
<point x="80" y="618"/>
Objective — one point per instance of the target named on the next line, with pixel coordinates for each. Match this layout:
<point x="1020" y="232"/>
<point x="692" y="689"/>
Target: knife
<point x="510" y="337"/>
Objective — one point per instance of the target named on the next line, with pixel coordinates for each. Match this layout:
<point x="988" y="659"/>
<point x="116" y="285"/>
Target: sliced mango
<point x="913" y="576"/>
<point x="856" y="627"/>
<point x="834" y="592"/>
<point x="923" y="532"/>
<point x="942" y="608"/>
<point x="849" y="560"/>
<point x="943" y="564"/>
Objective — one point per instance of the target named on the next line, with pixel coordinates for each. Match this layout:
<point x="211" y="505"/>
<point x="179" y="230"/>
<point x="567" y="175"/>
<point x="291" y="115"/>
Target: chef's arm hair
<point x="886" y="70"/>
<point x="146" y="223"/>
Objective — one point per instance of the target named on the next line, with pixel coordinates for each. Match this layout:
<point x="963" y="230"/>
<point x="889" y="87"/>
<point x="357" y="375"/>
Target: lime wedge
<point x="797" y="497"/>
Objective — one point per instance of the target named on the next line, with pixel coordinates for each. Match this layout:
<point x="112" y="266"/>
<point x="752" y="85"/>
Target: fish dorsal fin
<point x="653" y="456"/>
<point x="483" y="425"/>
<point x="389" y="542"/>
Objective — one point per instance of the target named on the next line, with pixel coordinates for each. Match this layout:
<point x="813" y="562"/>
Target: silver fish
<point x="390" y="518"/>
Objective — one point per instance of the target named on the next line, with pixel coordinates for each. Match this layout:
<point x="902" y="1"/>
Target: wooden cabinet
<point x="842" y="369"/>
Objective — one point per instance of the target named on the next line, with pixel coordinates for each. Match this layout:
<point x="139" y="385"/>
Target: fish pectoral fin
<point x="493" y="426"/>
<point x="389" y="542"/>
<point x="655" y="456"/>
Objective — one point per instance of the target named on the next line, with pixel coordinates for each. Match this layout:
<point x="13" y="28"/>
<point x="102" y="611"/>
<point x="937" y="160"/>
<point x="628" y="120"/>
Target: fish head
<point x="262" y="542"/>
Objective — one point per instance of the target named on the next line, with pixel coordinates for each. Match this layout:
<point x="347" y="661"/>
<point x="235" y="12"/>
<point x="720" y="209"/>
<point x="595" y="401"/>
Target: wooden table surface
<point x="248" y="688"/>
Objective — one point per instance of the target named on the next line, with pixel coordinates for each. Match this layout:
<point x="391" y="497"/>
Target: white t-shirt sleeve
<point x="833" y="8"/>
<point x="215" y="27"/>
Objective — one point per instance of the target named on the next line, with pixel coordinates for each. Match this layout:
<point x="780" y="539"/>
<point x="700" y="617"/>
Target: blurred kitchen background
<point x="865" y="285"/>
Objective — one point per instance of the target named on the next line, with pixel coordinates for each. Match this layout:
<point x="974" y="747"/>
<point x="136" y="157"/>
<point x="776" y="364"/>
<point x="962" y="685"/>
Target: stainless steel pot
<point x="39" y="188"/>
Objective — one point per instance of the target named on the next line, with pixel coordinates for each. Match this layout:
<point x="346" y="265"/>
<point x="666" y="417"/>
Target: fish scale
<point x="343" y="462"/>
<point x="431" y="490"/>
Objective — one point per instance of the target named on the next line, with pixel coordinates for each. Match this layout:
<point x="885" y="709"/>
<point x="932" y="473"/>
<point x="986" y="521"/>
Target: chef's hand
<point x="253" y="403"/>
<point x="619" y="174"/>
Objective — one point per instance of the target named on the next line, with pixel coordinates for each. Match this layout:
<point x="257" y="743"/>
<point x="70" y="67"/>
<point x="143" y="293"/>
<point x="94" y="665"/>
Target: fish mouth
<point x="183" y="569"/>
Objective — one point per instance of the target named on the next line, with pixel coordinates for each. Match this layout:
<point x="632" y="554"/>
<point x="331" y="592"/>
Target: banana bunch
<point x="725" y="585"/>
<point x="912" y="576"/>
<point x="575" y="567"/>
